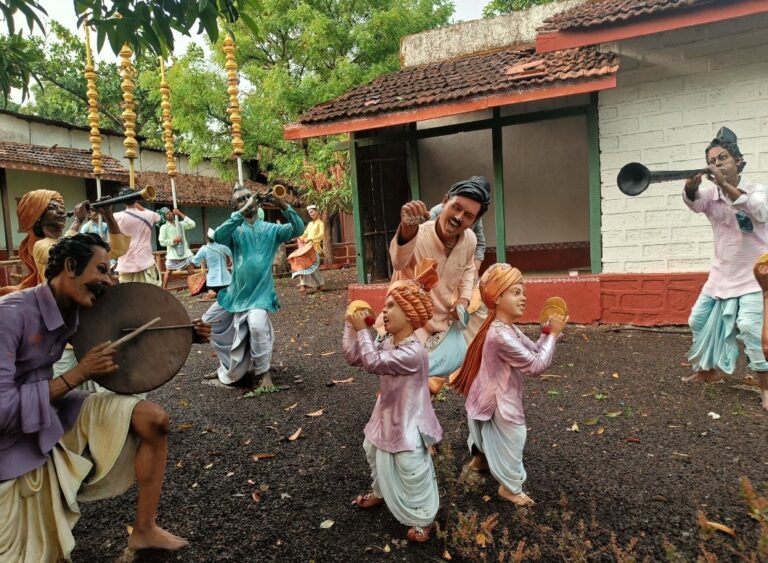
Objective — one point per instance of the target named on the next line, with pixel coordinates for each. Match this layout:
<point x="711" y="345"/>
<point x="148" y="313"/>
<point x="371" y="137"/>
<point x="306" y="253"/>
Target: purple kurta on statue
<point x="32" y="338"/>
<point x="403" y="418"/>
<point x="508" y="354"/>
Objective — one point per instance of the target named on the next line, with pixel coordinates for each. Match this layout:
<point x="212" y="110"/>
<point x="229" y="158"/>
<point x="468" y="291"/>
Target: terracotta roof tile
<point x="593" y="13"/>
<point x="502" y="72"/>
<point x="206" y="191"/>
<point x="57" y="160"/>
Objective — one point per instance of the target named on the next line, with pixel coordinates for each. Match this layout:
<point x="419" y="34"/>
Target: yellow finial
<point x="93" y="106"/>
<point x="129" y="105"/>
<point x="233" y="109"/>
<point x="165" y="104"/>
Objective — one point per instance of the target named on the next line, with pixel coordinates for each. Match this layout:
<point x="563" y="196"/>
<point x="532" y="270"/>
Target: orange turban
<point x="31" y="207"/>
<point x="413" y="296"/>
<point x="494" y="282"/>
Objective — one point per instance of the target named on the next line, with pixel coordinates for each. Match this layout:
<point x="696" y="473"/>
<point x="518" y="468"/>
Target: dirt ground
<point x="623" y="459"/>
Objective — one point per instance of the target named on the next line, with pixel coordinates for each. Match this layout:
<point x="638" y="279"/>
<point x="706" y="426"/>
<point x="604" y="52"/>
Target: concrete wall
<point x="675" y="90"/>
<point x="477" y="36"/>
<point x="545" y="177"/>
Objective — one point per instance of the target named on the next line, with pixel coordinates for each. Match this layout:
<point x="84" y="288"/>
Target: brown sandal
<point x="368" y="500"/>
<point x="418" y="534"/>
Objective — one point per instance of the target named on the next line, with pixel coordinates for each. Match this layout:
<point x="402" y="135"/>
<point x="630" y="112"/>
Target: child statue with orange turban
<point x="403" y="426"/>
<point x="492" y="380"/>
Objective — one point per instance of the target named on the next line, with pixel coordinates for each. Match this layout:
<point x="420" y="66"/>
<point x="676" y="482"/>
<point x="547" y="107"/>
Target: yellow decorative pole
<point x="129" y="115"/>
<point x="93" y="115"/>
<point x="233" y="108"/>
<point x="165" y="104"/>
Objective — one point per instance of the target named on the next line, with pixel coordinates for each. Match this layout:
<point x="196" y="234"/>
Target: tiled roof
<point x="593" y="13"/>
<point x="488" y="75"/>
<point x="205" y="191"/>
<point x="57" y="160"/>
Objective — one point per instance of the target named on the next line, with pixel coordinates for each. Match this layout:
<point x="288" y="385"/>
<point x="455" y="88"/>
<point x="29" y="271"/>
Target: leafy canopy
<point x="499" y="7"/>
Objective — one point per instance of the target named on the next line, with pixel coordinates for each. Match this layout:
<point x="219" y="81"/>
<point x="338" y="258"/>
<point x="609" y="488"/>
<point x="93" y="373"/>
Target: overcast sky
<point x="64" y="12"/>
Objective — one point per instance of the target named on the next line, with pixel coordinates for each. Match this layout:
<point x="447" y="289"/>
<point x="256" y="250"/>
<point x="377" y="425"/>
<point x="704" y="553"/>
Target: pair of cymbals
<point x="553" y="306"/>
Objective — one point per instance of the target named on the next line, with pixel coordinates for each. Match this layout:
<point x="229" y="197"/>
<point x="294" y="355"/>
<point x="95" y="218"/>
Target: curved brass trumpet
<point x="279" y="191"/>
<point x="634" y="178"/>
<point x="148" y="194"/>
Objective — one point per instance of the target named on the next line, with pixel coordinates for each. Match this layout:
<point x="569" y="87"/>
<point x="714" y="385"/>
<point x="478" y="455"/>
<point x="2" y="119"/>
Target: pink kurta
<point x="507" y="355"/>
<point x="735" y="250"/>
<point x="403" y="418"/>
<point x="457" y="270"/>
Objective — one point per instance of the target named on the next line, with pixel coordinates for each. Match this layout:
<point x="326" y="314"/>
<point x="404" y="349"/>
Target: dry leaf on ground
<point x="259" y="456"/>
<point x="295" y="436"/>
<point x="293" y="406"/>
<point x="348" y="380"/>
<point x="316" y="413"/>
<point x="185" y="426"/>
<point x="256" y="495"/>
<point x="325" y="524"/>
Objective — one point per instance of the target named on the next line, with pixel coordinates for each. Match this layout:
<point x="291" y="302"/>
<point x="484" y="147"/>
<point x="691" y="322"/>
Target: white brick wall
<point x="675" y="90"/>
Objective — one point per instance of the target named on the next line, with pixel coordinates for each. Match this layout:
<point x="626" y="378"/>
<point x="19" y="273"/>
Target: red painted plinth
<point x="637" y="299"/>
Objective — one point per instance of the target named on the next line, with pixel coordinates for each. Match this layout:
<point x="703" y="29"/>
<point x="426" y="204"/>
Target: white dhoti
<point x="406" y="481"/>
<point x="241" y="340"/>
<point x="93" y="460"/>
<point x="502" y="444"/>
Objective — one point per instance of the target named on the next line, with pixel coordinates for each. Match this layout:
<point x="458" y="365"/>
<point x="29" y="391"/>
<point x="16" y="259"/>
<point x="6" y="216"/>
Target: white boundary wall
<point x="675" y="90"/>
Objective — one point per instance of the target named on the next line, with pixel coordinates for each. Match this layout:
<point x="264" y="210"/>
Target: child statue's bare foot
<point x="419" y="534"/>
<point x="368" y="500"/>
<point x="520" y="499"/>
<point x="155" y="538"/>
<point x="708" y="376"/>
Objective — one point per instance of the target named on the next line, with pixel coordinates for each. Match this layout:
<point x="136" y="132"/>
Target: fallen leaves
<point x="208" y="466"/>
<point x="446" y="555"/>
<point x="295" y="436"/>
<point x="185" y="426"/>
<point x="256" y="495"/>
<point x="574" y="428"/>
<point x="316" y="413"/>
<point x="328" y="353"/>
<point x="709" y="525"/>
<point x="260" y="456"/>
<point x="592" y="421"/>
<point x="613" y="414"/>
<point x="713" y="415"/>
<point x="615" y="375"/>
<point x="325" y="524"/>
<point x="290" y="408"/>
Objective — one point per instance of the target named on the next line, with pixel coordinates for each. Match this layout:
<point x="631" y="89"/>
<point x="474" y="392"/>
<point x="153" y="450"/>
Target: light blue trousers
<point x="714" y="323"/>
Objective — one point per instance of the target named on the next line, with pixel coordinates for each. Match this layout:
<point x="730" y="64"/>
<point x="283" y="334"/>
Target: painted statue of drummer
<point x="60" y="446"/>
<point x="450" y="241"/>
<point x="731" y="300"/>
<point x="242" y="334"/>
<point x="314" y="234"/>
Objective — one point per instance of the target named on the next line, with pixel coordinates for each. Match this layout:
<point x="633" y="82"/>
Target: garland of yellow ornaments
<point x="233" y="108"/>
<point x="93" y="115"/>
<point x="128" y="74"/>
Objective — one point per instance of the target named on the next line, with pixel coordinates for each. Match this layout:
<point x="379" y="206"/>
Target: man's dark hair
<point x="727" y="140"/>
<point x="126" y="190"/>
<point x="78" y="247"/>
<point x="476" y="188"/>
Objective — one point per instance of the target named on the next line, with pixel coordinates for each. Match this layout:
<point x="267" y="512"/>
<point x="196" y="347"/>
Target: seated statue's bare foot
<point x="155" y="538"/>
<point x="708" y="376"/>
<point x="520" y="499"/>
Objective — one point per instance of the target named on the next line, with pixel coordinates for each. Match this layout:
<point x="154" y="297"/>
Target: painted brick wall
<point x="675" y="90"/>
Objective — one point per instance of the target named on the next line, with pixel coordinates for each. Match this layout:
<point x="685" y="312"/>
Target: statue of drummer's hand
<point x="557" y="323"/>
<point x="412" y="214"/>
<point x="276" y="201"/>
<point x="202" y="332"/>
<point x="100" y="360"/>
<point x="693" y="183"/>
<point x="357" y="320"/>
<point x="106" y="211"/>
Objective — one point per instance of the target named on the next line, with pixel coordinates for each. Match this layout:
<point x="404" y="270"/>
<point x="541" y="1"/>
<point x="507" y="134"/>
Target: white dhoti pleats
<point x="241" y="340"/>
<point x="93" y="460"/>
<point x="406" y="481"/>
<point x="502" y="444"/>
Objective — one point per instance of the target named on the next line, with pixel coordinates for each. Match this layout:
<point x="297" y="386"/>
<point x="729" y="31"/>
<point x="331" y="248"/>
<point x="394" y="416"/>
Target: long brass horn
<point x="634" y="178"/>
<point x="147" y="194"/>
<point x="279" y="191"/>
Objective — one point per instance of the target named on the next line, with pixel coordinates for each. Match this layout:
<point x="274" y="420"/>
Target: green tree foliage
<point x="145" y="26"/>
<point x="61" y="92"/>
<point x="295" y="55"/>
<point x="499" y="7"/>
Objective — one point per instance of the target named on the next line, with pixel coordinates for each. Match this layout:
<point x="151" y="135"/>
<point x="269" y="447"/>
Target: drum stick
<point x="191" y="325"/>
<point x="135" y="333"/>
